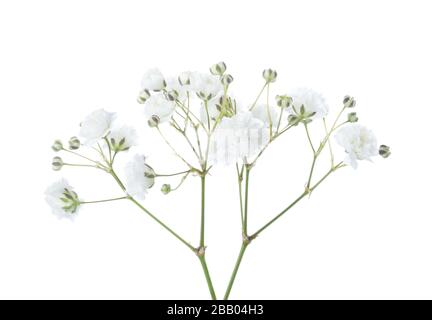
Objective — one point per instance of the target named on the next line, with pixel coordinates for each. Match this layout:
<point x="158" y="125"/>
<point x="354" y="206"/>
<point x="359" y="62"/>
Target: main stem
<point x="201" y="248"/>
<point x="234" y="273"/>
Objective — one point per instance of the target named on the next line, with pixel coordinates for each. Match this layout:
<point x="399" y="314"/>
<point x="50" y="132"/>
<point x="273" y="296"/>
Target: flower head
<point x="74" y="143"/>
<point x="57" y="163"/>
<point x="153" y="80"/>
<point x="312" y="102"/>
<point x="359" y="143"/>
<point x="57" y="145"/>
<point x="63" y="201"/>
<point x="158" y="106"/>
<point x="123" y="138"/>
<point x="139" y="177"/>
<point x="205" y="85"/>
<point x="238" y="138"/>
<point x="96" y="125"/>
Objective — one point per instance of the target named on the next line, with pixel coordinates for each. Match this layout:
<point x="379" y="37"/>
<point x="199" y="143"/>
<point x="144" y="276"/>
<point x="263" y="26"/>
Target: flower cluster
<point x="215" y="129"/>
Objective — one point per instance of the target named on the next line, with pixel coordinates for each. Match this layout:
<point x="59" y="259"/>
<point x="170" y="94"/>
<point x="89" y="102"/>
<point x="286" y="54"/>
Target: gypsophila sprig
<point x="213" y="130"/>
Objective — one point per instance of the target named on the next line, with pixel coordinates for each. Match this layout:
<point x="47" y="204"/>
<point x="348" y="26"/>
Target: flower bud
<point x="57" y="146"/>
<point x="70" y="201"/>
<point x="269" y="75"/>
<point x="166" y="188"/>
<point x="218" y="69"/>
<point x="227" y="79"/>
<point x="352" y="117"/>
<point x="384" y="151"/>
<point x="171" y="95"/>
<point x="143" y="96"/>
<point x="57" y="163"/>
<point x="74" y="143"/>
<point x="154" y="121"/>
<point x="349" y="102"/>
<point x="283" y="101"/>
<point x="184" y="78"/>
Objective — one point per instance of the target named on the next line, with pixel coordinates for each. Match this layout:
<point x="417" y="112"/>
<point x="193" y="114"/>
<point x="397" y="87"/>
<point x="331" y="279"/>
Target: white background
<point x="363" y="234"/>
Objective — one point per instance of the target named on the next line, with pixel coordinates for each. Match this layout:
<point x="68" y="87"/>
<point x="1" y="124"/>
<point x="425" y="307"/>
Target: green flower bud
<point x="384" y="151"/>
<point x="70" y="200"/>
<point x="218" y="69"/>
<point x="184" y="78"/>
<point x="349" y="102"/>
<point x="57" y="163"/>
<point x="74" y="143"/>
<point x="154" y="121"/>
<point x="269" y="75"/>
<point x="171" y="95"/>
<point x="283" y="101"/>
<point x="293" y="120"/>
<point x="352" y="117"/>
<point x="57" y="146"/>
<point x="143" y="96"/>
<point x="227" y="79"/>
<point x="166" y="188"/>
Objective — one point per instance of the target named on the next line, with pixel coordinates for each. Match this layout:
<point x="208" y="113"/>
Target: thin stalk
<point x="246" y="206"/>
<point x="173" y="149"/>
<point x="240" y="189"/>
<point x="202" y="231"/>
<point x="172" y="174"/>
<point x="83" y="165"/>
<point x="105" y="200"/>
<point x="84" y="157"/>
<point x="268" y="111"/>
<point x="257" y="98"/>
<point x="280" y="120"/>
<point x="208" y="115"/>
<point x="236" y="268"/>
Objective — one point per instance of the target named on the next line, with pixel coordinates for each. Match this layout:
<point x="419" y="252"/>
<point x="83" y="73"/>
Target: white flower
<point x="62" y="199"/>
<point x="184" y="78"/>
<point x="121" y="139"/>
<point x="159" y="106"/>
<point x="260" y="112"/>
<point x="174" y="84"/>
<point x="311" y="100"/>
<point x="96" y="125"/>
<point x="153" y="80"/>
<point x="139" y="177"/>
<point x="205" y="85"/>
<point x="239" y="137"/>
<point x="359" y="143"/>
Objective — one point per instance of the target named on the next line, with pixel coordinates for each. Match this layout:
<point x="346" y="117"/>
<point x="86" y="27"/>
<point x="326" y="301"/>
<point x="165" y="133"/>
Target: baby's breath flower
<point x="57" y="163"/>
<point x="269" y="75"/>
<point x="283" y="101"/>
<point x="166" y="188"/>
<point x="349" y="102"/>
<point x="384" y="151"/>
<point x="63" y="201"/>
<point x="96" y="125"/>
<point x="313" y="103"/>
<point x="218" y="69"/>
<point x="74" y="143"/>
<point x="206" y="86"/>
<point x="184" y="78"/>
<point x="227" y="79"/>
<point x="352" y="117"/>
<point x="139" y="177"/>
<point x="358" y="141"/>
<point x="153" y="80"/>
<point x="159" y="106"/>
<point x="121" y="139"/>
<point x="143" y="96"/>
<point x="57" y="146"/>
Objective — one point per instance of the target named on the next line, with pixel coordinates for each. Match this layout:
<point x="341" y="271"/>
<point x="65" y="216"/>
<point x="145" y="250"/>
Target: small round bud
<point x="74" y="143"/>
<point x="70" y="200"/>
<point x="218" y="69"/>
<point x="166" y="188"/>
<point x="227" y="79"/>
<point x="283" y="101"/>
<point x="57" y="146"/>
<point x="184" y="78"/>
<point x="384" y="151"/>
<point x="154" y="121"/>
<point x="171" y="95"/>
<point x="57" y="163"/>
<point x="349" y="102"/>
<point x="143" y="96"/>
<point x="269" y="75"/>
<point x="352" y="117"/>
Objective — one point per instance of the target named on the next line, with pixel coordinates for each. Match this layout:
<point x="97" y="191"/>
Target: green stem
<point x="236" y="268"/>
<point x="246" y="206"/>
<point x="202" y="232"/>
<point x="105" y="200"/>
<point x="208" y="278"/>
<point x="257" y="98"/>
<point x="240" y="181"/>
<point x="172" y="174"/>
